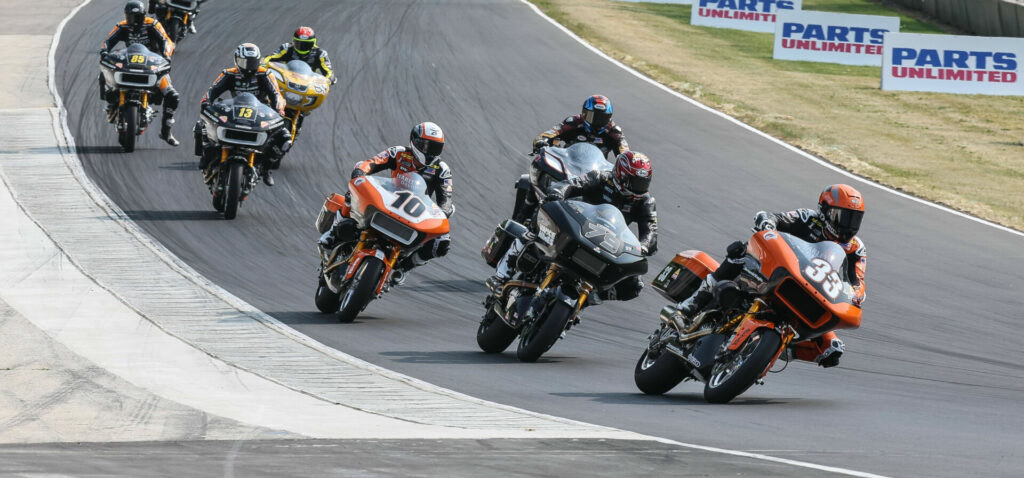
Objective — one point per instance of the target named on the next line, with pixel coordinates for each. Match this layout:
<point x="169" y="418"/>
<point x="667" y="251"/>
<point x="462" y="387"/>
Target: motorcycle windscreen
<point x="582" y="158"/>
<point x="605" y="227"/>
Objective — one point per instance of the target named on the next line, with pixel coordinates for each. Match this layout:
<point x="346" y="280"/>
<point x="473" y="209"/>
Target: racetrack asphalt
<point x="931" y="384"/>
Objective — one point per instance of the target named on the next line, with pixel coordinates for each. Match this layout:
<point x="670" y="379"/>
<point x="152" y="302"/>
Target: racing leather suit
<point x="151" y="35"/>
<point x="398" y="159"/>
<point x="572" y="130"/>
<point x="260" y="85"/>
<point x="316" y="58"/>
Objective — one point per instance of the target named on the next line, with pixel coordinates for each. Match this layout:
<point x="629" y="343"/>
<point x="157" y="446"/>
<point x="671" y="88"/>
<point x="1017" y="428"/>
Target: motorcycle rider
<point x="627" y="188"/>
<point x="423" y="156"/>
<point x="249" y="77"/>
<point x="304" y="48"/>
<point x="838" y="218"/>
<point x="593" y="125"/>
<point x="138" y="28"/>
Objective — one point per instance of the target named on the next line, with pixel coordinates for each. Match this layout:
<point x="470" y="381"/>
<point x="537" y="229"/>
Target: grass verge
<point x="963" y="151"/>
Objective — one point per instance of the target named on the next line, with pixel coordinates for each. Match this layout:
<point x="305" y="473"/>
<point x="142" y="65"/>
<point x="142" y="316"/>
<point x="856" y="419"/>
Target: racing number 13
<point x="245" y="112"/>
<point x="412" y="204"/>
<point x="821" y="271"/>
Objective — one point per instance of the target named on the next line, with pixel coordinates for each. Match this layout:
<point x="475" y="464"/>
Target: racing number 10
<point x="409" y="203"/>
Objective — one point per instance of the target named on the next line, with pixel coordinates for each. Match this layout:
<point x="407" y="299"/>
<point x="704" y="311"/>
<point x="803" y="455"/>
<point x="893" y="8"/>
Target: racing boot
<point x="265" y="174"/>
<point x="698" y="300"/>
<point x="165" y="128"/>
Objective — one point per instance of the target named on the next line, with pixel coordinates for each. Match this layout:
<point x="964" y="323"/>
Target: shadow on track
<point x="459" y="357"/>
<point x="151" y="215"/>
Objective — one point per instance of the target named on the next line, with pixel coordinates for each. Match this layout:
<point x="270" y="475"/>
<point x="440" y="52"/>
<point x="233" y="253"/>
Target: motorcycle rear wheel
<point x="657" y="375"/>
<point x="494" y="335"/>
<point x="233" y="190"/>
<point x="544" y="332"/>
<point x="130" y="116"/>
<point x="362" y="289"/>
<point x="734" y="376"/>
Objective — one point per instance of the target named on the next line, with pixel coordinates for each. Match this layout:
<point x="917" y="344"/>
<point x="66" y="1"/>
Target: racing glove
<point x="539" y="144"/>
<point x="763" y="222"/>
<point x="736" y="250"/>
<point x="358" y="172"/>
<point x="830" y="357"/>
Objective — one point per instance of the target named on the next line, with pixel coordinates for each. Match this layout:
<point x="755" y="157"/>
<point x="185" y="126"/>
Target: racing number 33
<point x="821" y="271"/>
<point x="409" y="203"/>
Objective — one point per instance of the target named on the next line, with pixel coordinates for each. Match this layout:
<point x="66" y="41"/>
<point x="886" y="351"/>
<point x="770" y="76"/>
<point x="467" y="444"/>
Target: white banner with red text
<point x="832" y="37"/>
<point x="953" y="64"/>
<point x="751" y="15"/>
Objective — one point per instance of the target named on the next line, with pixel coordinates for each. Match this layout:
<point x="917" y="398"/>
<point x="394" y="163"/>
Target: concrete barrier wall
<point x="994" y="18"/>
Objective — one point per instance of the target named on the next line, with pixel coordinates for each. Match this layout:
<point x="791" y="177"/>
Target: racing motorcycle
<point x="303" y="89"/>
<point x="577" y="250"/>
<point x="789" y="291"/>
<point x="396" y="216"/>
<point x="176" y="16"/>
<point x="132" y="72"/>
<point x="240" y="128"/>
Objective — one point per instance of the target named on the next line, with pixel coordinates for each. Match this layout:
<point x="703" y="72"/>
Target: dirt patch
<point x="962" y="151"/>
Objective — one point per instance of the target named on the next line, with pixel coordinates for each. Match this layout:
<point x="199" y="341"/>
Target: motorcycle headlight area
<point x="589" y="262"/>
<point x="240" y="137"/>
<point x="139" y="80"/>
<point x="293" y="98"/>
<point x="390" y="227"/>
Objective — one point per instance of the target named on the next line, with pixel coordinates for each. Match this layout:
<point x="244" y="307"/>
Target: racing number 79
<point x="409" y="203"/>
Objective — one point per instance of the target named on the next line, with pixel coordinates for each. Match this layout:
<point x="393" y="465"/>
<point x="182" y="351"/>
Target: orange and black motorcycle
<point x="396" y="216"/>
<point x="789" y="291"/>
<point x="132" y="72"/>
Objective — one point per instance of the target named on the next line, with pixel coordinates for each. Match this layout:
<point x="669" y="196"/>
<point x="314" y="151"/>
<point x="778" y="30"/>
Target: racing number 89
<point x="409" y="203"/>
<point x="821" y="271"/>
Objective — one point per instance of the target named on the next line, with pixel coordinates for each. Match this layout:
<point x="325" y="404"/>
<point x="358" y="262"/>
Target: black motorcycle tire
<point x="233" y="190"/>
<point x="734" y="376"/>
<point x="130" y="116"/>
<point x="544" y="332"/>
<point x="175" y="29"/>
<point x="326" y="300"/>
<point x="494" y="335"/>
<point x="218" y="203"/>
<point x="659" y="375"/>
<point x="362" y="289"/>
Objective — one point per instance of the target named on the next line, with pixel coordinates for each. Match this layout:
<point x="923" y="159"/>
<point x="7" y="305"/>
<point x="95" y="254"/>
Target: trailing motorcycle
<point x="240" y="129"/>
<point x="176" y="16"/>
<point x="132" y="72"/>
<point x="577" y="250"/>
<point x="396" y="216"/>
<point x="303" y="89"/>
<point x="788" y="291"/>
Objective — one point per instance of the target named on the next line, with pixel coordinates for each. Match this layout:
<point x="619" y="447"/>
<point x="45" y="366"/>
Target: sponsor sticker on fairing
<point x="953" y="64"/>
<point x="832" y="37"/>
<point x="751" y="15"/>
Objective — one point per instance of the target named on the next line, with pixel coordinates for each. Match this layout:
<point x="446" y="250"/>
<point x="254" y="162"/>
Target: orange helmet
<point x="842" y="209"/>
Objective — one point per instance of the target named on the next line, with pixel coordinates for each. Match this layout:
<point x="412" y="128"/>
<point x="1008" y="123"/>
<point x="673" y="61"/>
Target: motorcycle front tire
<point x="362" y="289"/>
<point x="544" y="332"/>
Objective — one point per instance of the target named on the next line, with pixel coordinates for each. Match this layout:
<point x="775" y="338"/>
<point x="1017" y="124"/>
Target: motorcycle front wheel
<point x="362" y="289"/>
<point x="175" y="29"/>
<point x="326" y="301"/>
<point x="127" y="137"/>
<point x="494" y="335"/>
<point x="233" y="190"/>
<point x="544" y="332"/>
<point x="657" y="374"/>
<point x="740" y="370"/>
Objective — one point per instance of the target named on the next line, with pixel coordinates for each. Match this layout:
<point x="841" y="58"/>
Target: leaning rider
<point x="627" y="187"/>
<point x="249" y="77"/>
<point x="304" y="48"/>
<point x="593" y="125"/>
<point x="423" y="156"/>
<point x="138" y="28"/>
<point x="838" y="218"/>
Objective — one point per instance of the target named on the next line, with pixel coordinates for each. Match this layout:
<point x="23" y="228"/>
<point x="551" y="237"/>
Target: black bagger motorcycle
<point x="238" y="132"/>
<point x="132" y="73"/>
<point x="574" y="251"/>
<point x="176" y="16"/>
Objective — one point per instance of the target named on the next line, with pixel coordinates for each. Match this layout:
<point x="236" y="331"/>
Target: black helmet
<point x="597" y="113"/>
<point x="427" y="141"/>
<point x="134" y="13"/>
<point x="247" y="58"/>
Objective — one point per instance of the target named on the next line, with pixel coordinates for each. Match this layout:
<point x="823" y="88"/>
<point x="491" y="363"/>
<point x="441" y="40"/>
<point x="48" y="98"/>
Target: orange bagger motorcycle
<point x="396" y="217"/>
<point x="789" y="291"/>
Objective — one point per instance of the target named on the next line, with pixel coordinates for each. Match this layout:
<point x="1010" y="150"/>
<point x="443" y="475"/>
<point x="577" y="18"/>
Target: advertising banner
<point x="680" y="2"/>
<point x="832" y="37"/>
<point x="752" y="15"/>
<point x="953" y="64"/>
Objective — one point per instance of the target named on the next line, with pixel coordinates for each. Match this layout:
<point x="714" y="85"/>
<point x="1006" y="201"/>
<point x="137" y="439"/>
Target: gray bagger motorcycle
<point x="237" y="132"/>
<point x="577" y="250"/>
<point x="132" y="72"/>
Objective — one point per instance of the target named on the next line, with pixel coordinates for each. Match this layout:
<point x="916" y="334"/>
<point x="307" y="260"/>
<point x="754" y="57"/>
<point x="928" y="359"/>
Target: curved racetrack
<point x="932" y="384"/>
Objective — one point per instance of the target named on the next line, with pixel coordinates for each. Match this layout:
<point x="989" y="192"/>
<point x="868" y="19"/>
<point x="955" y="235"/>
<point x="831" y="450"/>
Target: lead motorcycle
<point x="575" y="250"/>
<point x="176" y="16"/>
<point x="396" y="216"/>
<point x="239" y="129"/>
<point x="789" y="291"/>
<point x="132" y="73"/>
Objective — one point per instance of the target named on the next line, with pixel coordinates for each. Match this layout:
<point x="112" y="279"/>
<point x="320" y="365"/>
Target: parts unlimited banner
<point x="751" y="15"/>
<point x="832" y="37"/>
<point x="953" y="64"/>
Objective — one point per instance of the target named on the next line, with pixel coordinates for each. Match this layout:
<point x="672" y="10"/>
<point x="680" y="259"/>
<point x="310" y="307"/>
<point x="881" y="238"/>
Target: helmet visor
<point x="249" y="64"/>
<point x="636" y="185"/>
<point x="303" y="46"/>
<point x="135" y="18"/>
<point x="845" y="221"/>
<point x="429" y="148"/>
<point x="596" y="119"/>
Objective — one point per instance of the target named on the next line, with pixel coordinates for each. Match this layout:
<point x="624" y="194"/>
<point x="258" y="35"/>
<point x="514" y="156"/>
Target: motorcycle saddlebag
<point x="681" y="277"/>
<point x="497" y="246"/>
<point x="334" y="203"/>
